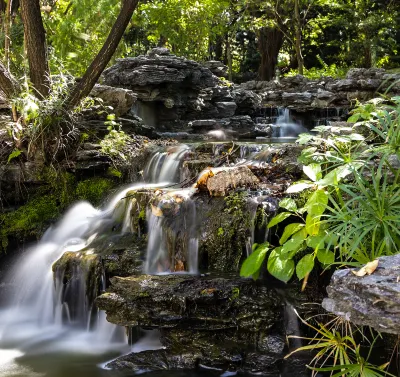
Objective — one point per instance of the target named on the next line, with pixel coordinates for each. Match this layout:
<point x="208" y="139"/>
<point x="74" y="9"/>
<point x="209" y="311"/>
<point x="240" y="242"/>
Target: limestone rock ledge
<point x="372" y="300"/>
<point x="227" y="323"/>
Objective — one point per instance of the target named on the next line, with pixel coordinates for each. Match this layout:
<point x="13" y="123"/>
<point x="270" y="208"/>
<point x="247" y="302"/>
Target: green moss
<point x="94" y="189"/>
<point x="51" y="200"/>
<point x="30" y="219"/>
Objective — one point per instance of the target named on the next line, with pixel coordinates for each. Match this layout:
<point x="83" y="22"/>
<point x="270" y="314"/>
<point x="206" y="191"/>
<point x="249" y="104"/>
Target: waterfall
<point x="54" y="285"/>
<point x="286" y="127"/>
<point x="45" y="314"/>
<point x="172" y="234"/>
<point x="164" y="165"/>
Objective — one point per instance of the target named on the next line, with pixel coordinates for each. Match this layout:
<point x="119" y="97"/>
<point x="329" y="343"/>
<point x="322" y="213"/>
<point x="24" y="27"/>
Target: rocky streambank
<point x="224" y="322"/>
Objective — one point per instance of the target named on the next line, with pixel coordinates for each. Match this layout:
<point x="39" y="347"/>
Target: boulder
<point x="372" y="300"/>
<point x="121" y="100"/>
<point x="219" y="181"/>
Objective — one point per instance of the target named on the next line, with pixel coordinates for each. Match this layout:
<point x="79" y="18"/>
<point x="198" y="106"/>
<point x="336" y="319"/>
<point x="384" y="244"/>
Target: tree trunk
<point x="8" y="85"/>
<point x="300" y="59"/>
<point x="270" y="41"/>
<point x="82" y="88"/>
<point x="7" y="41"/>
<point x="35" y="38"/>
<point x="219" y="48"/>
<point x="229" y="58"/>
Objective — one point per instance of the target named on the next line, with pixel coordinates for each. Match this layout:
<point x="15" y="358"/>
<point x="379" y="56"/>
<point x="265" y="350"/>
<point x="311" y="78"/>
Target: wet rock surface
<point x="226" y="322"/>
<point x="372" y="300"/>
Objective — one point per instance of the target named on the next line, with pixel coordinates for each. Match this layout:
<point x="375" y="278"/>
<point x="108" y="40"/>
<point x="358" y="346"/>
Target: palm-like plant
<point x="369" y="218"/>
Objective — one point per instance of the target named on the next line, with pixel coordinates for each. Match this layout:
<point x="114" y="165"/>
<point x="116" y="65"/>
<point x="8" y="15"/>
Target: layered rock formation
<point x="372" y="300"/>
<point x="226" y="323"/>
<point x="302" y="94"/>
<point x="173" y="93"/>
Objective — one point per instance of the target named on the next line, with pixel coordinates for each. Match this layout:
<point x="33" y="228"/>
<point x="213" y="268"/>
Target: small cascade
<point x="164" y="165"/>
<point x="56" y="311"/>
<point x="172" y="234"/>
<point x="286" y="127"/>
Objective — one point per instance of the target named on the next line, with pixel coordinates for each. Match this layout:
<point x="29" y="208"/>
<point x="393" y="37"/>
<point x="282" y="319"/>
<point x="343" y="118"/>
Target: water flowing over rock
<point x="372" y="300"/>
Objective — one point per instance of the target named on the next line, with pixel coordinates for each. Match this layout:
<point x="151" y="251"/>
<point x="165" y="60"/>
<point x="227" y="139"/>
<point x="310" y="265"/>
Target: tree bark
<point x="300" y="59"/>
<point x="82" y="88"/>
<point x="270" y="41"/>
<point x="8" y="85"/>
<point x="7" y="41"/>
<point x="35" y="38"/>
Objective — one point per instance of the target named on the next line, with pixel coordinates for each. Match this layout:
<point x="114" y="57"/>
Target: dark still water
<point x="13" y="364"/>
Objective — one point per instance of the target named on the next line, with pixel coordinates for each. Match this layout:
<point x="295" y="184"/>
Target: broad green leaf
<point x="305" y="266"/>
<point x="299" y="186"/>
<point x="325" y="256"/>
<point x="279" y="218"/>
<point x="354" y="118"/>
<point x="313" y="224"/>
<point x="253" y="262"/>
<point x="317" y="202"/>
<point x="288" y="204"/>
<point x="295" y="243"/>
<point x="304" y="138"/>
<point x="279" y="267"/>
<point x="289" y="230"/>
<point x="316" y="242"/>
<point x="313" y="171"/>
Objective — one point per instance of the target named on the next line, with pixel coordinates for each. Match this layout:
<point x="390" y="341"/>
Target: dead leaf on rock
<point x="368" y="269"/>
<point x="156" y="211"/>
<point x="179" y="266"/>
<point x="202" y="181"/>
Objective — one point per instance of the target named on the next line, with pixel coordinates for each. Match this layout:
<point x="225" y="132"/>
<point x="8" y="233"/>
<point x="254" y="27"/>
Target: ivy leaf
<point x="305" y="266"/>
<point x="289" y="230"/>
<point x="299" y="186"/>
<point x="280" y="268"/>
<point x="325" y="256"/>
<point x="313" y="171"/>
<point x="279" y="218"/>
<point x="254" y="261"/>
<point x="288" y="204"/>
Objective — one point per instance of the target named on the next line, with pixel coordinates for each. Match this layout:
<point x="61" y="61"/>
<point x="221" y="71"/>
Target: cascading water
<point x="172" y="234"/>
<point x="164" y="165"/>
<point x="51" y="308"/>
<point x="286" y="127"/>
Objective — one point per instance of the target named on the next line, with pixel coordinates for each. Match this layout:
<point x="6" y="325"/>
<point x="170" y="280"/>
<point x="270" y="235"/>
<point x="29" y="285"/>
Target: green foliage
<point x="349" y="210"/>
<point x="45" y="127"/>
<point x="115" y="141"/>
<point x="252" y="264"/>
<point x="336" y="350"/>
<point x="76" y="30"/>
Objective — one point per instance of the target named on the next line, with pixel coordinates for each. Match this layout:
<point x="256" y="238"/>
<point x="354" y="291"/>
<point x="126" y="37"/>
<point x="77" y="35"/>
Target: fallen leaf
<point x="179" y="266"/>
<point x="156" y="211"/>
<point x="368" y="269"/>
<point x="202" y="181"/>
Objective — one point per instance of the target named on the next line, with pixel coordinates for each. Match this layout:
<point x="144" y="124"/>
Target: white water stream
<point x="37" y="317"/>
